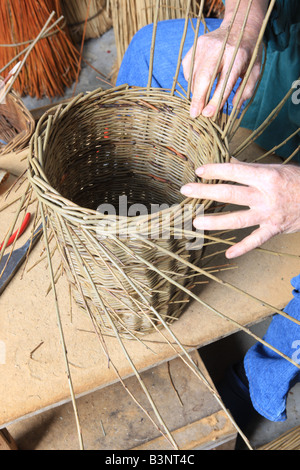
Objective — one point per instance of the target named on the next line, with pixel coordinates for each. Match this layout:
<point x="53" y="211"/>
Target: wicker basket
<point x="123" y="141"/>
<point x="16" y="124"/>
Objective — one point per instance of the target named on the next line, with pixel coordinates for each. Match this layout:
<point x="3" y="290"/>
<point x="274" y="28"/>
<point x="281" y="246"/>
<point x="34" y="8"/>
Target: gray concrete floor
<point x="102" y="54"/>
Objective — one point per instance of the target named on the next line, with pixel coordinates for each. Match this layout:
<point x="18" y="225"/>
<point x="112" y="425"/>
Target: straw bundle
<point x="16" y="124"/>
<point x="52" y="65"/>
<point x="97" y="22"/>
<point x="290" y="440"/>
<point x="135" y="143"/>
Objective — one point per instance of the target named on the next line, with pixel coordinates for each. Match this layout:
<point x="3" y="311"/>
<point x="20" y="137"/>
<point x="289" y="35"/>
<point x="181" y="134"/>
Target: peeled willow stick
<point x="215" y="73"/>
<point x="237" y="46"/>
<point x="65" y="354"/>
<point x="60" y="221"/>
<point x="257" y="132"/>
<point x="153" y="45"/>
<point x="181" y="45"/>
<point x="276" y="147"/>
<point x="84" y="267"/>
<point x="189" y="361"/>
<point x="233" y="115"/>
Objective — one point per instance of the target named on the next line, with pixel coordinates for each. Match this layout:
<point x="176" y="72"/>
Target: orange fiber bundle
<point x="52" y="64"/>
<point x="214" y="8"/>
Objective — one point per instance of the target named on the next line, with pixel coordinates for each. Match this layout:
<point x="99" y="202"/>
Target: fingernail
<point x="208" y="111"/>
<point x="186" y="190"/>
<point x="199" y="171"/>
<point x="194" y="112"/>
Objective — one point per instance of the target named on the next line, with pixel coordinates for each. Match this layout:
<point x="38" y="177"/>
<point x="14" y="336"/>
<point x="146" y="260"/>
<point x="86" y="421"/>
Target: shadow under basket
<point x="16" y="124"/>
<point x="108" y="169"/>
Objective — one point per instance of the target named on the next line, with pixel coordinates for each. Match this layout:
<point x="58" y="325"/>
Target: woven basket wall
<point x="75" y="13"/>
<point x="124" y="141"/>
<point x="16" y="124"/>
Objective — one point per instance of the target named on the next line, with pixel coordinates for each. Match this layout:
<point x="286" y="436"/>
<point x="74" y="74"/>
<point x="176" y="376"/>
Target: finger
<point x="201" y="82"/>
<point x="222" y="92"/>
<point x="231" y="221"/>
<point x="257" y="238"/>
<point x="246" y="173"/>
<point x="186" y="65"/>
<point x="249" y="88"/>
<point x="241" y="195"/>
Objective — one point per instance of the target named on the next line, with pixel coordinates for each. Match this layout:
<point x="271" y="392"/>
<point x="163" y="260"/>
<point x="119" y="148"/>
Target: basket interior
<point x="95" y="155"/>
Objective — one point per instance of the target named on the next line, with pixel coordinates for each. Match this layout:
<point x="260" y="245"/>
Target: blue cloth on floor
<point x="270" y="375"/>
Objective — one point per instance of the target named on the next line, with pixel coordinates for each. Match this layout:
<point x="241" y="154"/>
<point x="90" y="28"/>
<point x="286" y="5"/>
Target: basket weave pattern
<point x="16" y="124"/>
<point x="122" y="142"/>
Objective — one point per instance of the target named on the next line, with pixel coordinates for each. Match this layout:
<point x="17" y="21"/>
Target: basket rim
<point x="51" y="197"/>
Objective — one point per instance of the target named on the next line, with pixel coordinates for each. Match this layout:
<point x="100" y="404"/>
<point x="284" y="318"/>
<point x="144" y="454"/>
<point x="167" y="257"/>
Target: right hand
<point x="206" y="58"/>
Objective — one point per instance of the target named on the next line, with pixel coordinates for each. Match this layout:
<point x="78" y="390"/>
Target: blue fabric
<point x="134" y="69"/>
<point x="281" y="70"/>
<point x="270" y="375"/>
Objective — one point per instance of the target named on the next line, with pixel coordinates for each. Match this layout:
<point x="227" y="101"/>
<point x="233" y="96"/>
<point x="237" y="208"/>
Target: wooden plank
<point x="207" y="432"/>
<point x="111" y="420"/>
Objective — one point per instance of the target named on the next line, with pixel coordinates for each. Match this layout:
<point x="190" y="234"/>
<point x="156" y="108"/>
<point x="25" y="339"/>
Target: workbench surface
<point x="32" y="366"/>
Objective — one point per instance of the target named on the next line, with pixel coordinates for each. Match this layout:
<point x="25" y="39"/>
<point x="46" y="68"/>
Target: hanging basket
<point x="16" y="124"/>
<point x="140" y="145"/>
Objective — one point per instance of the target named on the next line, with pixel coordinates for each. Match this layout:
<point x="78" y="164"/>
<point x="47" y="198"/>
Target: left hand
<point x="271" y="191"/>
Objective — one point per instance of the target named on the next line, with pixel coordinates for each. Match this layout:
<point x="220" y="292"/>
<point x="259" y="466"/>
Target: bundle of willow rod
<point x="140" y="145"/>
<point x="16" y="123"/>
<point x="52" y="64"/>
<point x="290" y="440"/>
<point x="92" y="12"/>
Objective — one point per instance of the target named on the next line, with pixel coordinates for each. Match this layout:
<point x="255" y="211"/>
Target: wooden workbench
<point x="32" y="371"/>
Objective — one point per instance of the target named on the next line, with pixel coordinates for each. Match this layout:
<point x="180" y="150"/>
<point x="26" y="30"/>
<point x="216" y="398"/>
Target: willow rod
<point x="237" y="46"/>
<point x="257" y="132"/>
<point x="58" y="317"/>
<point x="200" y="12"/>
<point x="211" y="276"/>
<point x="190" y="361"/>
<point x="181" y="46"/>
<point x="232" y="117"/>
<point x="87" y="273"/>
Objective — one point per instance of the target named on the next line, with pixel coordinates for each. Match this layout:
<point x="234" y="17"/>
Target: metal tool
<point x="16" y="259"/>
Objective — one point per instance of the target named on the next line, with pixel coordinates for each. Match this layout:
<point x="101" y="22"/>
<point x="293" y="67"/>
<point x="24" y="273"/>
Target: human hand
<point x="271" y="191"/>
<point x="208" y="50"/>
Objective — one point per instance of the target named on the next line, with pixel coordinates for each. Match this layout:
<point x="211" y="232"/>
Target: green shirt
<point x="282" y="72"/>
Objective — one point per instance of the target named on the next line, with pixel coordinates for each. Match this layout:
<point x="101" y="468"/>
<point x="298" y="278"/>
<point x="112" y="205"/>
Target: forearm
<point x="256" y="15"/>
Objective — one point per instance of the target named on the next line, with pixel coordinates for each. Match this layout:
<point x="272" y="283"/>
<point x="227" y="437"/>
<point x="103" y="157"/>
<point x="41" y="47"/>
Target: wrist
<point x="255" y="18"/>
